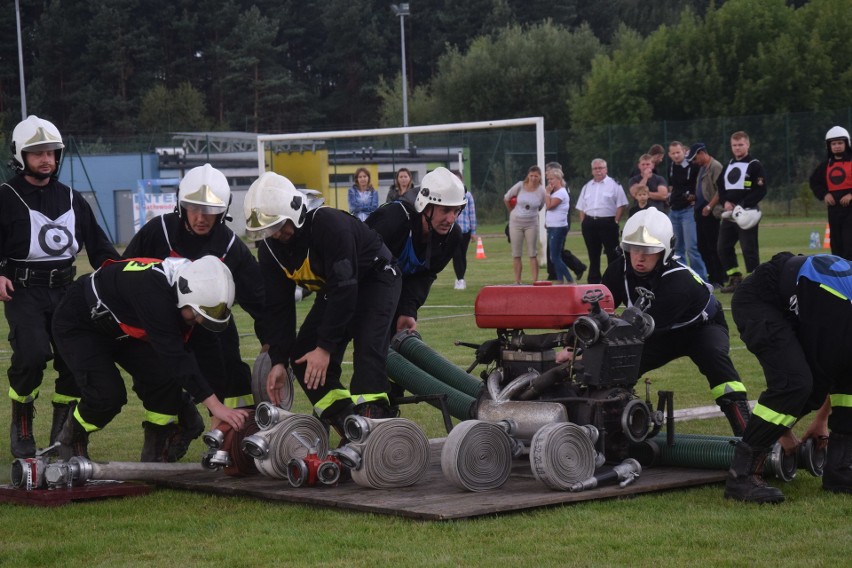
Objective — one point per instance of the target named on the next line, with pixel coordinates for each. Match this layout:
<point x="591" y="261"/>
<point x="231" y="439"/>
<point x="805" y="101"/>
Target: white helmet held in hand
<point x="35" y="135"/>
<point x="746" y="218"/>
<point x="207" y="286"/>
<point x="649" y="231"/>
<point x="206" y="189"/>
<point x="440" y="187"/>
<point x="270" y="202"/>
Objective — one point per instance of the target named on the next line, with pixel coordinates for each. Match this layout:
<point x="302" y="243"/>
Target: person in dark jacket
<point x="688" y="319"/>
<point x="831" y="183"/>
<point x="138" y="314"/>
<point x="198" y="229"/>
<point x="794" y="314"/>
<point x="422" y="237"/>
<point x="357" y="286"/>
<point x="43" y="225"/>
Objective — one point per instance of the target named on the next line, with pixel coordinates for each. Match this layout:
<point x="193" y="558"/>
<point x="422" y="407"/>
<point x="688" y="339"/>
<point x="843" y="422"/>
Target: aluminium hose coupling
<point x="624" y="473"/>
<point x="389" y="453"/>
<point x="477" y="455"/>
<point x="272" y="449"/>
<point x="28" y="473"/>
<point x="563" y="454"/>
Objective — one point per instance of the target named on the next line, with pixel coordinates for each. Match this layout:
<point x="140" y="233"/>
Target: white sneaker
<point x="460" y="285"/>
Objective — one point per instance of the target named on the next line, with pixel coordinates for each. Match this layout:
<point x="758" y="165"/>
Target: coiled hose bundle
<point x="274" y="447"/>
<point x="477" y="456"/>
<point x="562" y="455"/>
<point x="387" y="453"/>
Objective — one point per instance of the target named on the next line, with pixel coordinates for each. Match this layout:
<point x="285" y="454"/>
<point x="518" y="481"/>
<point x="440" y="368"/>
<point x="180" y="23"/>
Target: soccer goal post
<point x="266" y="141"/>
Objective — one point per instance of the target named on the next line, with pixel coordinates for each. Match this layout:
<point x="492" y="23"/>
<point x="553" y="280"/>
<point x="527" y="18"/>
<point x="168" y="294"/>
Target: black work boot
<point x="737" y="412"/>
<point x="190" y="426"/>
<point x="335" y="422"/>
<point x="158" y="441"/>
<point x="734" y="282"/>
<point x="837" y="475"/>
<point x="21" y="431"/>
<point x="60" y="415"/>
<point x="745" y="478"/>
<point x="73" y="438"/>
<point x="376" y="410"/>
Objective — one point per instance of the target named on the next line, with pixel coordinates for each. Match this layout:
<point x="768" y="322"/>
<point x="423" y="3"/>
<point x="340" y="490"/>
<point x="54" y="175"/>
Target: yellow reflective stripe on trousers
<point x="86" y="426"/>
<point x="329" y="399"/>
<point x="726" y="388"/>
<point x="839" y="400"/>
<point x="239" y="401"/>
<point x="773" y="417"/>
<point x="160" y="419"/>
<point x="64" y="399"/>
<point x="363" y="398"/>
<point x="22" y="399"/>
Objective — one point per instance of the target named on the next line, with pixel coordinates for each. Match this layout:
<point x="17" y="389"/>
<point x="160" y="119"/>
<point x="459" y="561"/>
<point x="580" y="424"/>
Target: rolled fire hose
<point x="79" y="470"/>
<point x="262" y="365"/>
<point x="477" y="456"/>
<point x="414" y="379"/>
<point x="387" y="453"/>
<point x="411" y="346"/>
<point x="272" y="449"/>
<point x="562" y="455"/>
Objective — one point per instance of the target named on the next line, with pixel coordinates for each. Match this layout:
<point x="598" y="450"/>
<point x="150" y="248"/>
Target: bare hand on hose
<point x="316" y="367"/>
<point x="236" y="417"/>
<point x="275" y="381"/>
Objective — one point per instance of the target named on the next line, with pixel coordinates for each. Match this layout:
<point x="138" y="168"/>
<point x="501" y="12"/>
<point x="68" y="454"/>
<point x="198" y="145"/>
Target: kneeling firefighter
<point x="330" y="252"/>
<point x="138" y="313"/>
<point x="689" y="321"/>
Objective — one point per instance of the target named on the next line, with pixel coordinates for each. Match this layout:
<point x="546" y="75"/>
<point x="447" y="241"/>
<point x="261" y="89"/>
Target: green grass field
<point x="694" y="527"/>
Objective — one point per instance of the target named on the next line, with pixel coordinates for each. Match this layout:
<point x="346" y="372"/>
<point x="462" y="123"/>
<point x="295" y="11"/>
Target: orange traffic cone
<point x="826" y="242"/>
<point x="480" y="250"/>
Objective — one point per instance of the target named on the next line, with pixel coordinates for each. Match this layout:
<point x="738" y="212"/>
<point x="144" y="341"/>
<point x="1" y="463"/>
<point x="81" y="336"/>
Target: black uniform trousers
<point x="460" y="257"/>
<point x="220" y="360"/>
<point x="706" y="343"/>
<point x="840" y="225"/>
<point x="378" y="294"/>
<point x="92" y="354"/>
<point x="599" y="233"/>
<point x="803" y="360"/>
<point x="729" y="234"/>
<point x="29" y="314"/>
<point x="707" y="231"/>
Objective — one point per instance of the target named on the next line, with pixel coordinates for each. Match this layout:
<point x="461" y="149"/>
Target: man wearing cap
<point x="707" y="210"/>
<point x="43" y="224"/>
<point x="742" y="184"/>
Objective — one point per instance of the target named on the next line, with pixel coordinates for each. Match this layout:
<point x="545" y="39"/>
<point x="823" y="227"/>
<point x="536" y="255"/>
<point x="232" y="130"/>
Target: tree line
<point x="131" y="67"/>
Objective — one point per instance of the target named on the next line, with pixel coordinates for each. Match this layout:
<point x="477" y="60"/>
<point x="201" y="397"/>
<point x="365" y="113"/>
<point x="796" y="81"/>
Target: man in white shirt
<point x="601" y="204"/>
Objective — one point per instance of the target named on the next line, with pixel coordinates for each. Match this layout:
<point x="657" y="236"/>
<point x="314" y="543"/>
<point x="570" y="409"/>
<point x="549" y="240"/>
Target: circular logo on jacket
<point x="734" y="175"/>
<point x="55" y="240"/>
<point x="837" y="175"/>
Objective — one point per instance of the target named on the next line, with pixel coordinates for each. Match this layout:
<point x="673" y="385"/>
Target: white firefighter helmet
<point x="838" y="133"/>
<point x="207" y="286"/>
<point x="649" y="231"/>
<point x="35" y="135"/>
<point x="206" y="189"/>
<point x="440" y="187"/>
<point x="746" y="218"/>
<point x="270" y="202"/>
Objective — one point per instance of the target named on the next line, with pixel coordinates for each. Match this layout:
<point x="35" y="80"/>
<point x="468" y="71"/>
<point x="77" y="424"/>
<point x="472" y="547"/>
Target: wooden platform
<point x="434" y="498"/>
<point x="63" y="496"/>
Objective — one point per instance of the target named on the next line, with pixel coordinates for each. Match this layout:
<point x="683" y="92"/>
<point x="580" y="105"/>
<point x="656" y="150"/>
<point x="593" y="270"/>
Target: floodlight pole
<point x="21" y="62"/>
<point x="402" y="10"/>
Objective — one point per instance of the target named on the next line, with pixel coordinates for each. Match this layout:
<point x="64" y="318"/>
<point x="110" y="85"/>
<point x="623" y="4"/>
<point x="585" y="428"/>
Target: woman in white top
<point x="558" y="203"/>
<point x="524" y="200"/>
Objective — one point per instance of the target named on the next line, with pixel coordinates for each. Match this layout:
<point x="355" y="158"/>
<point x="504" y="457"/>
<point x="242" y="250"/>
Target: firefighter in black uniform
<point x="422" y="237"/>
<point x="831" y="183"/>
<point x="138" y="313"/>
<point x="794" y="314"/>
<point x="689" y="321"/>
<point x="43" y="224"/>
<point x="330" y="252"/>
<point x="197" y="229"/>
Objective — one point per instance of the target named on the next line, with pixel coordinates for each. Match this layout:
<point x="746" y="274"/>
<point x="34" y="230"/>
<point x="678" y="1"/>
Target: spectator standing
<point x="658" y="188"/>
<point x="601" y="204"/>
<point x="363" y="197"/>
<point x="707" y="210"/>
<point x="403" y="186"/>
<point x="528" y="198"/>
<point x="831" y="183"/>
<point x="683" y="178"/>
<point x="640" y="192"/>
<point x="467" y="223"/>
<point x="558" y="203"/>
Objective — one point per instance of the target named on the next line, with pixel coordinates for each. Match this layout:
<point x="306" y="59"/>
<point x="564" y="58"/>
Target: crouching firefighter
<point x="794" y="313"/>
<point x="689" y="321"/>
<point x="138" y="313"/>
<point x="357" y="287"/>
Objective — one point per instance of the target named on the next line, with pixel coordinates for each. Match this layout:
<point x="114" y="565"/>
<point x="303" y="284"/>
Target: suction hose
<point x="78" y="470"/>
<point x="410" y="345"/>
<point x="414" y="379"/>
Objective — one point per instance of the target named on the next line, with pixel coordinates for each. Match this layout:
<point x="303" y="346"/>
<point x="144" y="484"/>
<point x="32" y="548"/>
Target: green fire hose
<point x="411" y="346"/>
<point x="414" y="379"/>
